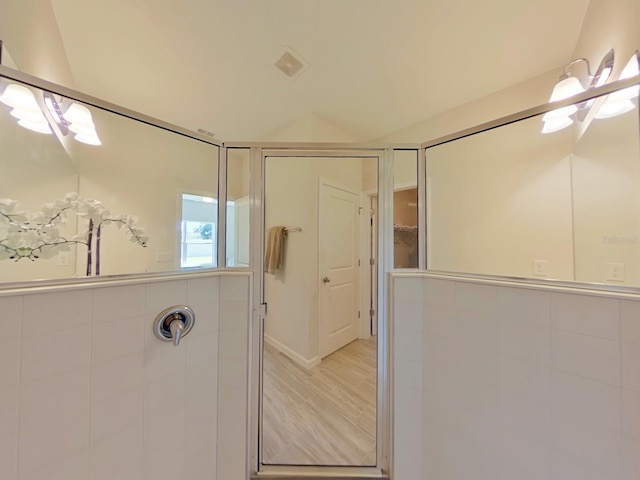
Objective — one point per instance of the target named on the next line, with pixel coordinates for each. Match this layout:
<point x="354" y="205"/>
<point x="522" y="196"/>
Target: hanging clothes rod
<point x="293" y="229"/>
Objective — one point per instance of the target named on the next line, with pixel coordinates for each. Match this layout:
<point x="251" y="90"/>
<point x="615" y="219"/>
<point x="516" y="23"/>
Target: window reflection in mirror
<point x="111" y="185"/>
<point x="238" y="207"/>
<point x="198" y="246"/>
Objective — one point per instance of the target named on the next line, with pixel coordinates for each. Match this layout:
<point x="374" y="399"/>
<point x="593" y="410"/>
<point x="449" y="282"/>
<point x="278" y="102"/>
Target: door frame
<point x="384" y="156"/>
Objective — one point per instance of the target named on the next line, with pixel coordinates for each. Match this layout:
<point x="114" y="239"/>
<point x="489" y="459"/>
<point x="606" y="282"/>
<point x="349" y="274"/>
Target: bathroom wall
<point x="30" y="32"/>
<point x="87" y="391"/>
<point x="609" y="24"/>
<point x="312" y="127"/>
<point x="292" y="186"/>
<point x="501" y="381"/>
<point x="169" y="165"/>
<point x="500" y="200"/>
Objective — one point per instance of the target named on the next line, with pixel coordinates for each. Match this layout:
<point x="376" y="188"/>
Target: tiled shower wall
<point x="88" y="392"/>
<point x="498" y="382"/>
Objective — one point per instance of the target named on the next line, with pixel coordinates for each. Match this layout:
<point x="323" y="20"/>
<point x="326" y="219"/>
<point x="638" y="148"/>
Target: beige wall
<point x="312" y="128"/>
<point x="292" y="189"/>
<point x="499" y="200"/>
<point x="30" y="32"/>
<point x="530" y="93"/>
<point x="606" y="209"/>
<point x="142" y="171"/>
<point x="238" y="173"/>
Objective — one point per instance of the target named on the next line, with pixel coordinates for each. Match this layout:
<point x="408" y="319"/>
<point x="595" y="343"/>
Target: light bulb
<point x="560" y="113"/>
<point x="90" y="139"/>
<point x="620" y="102"/>
<point x="566" y="88"/>
<point x="36" y="126"/>
<point x="82" y="129"/>
<point x="18" y="96"/>
<point x="77" y="113"/>
<point x="612" y="109"/>
<point x="556" y="124"/>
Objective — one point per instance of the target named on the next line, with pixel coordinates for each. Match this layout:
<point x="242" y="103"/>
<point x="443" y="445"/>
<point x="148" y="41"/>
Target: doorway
<point x="319" y="364"/>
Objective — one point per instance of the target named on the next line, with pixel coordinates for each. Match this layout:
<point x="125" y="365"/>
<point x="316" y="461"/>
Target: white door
<point x="338" y="245"/>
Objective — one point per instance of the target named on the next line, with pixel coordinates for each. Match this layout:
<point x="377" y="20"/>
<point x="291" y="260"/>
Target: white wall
<point x="292" y="294"/>
<point x="87" y="391"/>
<point x="497" y="381"/>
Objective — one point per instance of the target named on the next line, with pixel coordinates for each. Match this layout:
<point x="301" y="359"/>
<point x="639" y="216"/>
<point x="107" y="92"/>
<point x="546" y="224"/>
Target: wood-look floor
<point x="325" y="415"/>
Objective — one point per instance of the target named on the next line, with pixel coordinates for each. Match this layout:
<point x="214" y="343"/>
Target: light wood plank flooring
<point x="321" y="416"/>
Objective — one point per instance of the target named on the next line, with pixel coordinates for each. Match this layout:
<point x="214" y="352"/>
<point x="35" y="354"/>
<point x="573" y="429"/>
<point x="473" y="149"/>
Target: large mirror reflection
<point x="557" y="205"/>
<point x="320" y="353"/>
<point x="86" y="192"/>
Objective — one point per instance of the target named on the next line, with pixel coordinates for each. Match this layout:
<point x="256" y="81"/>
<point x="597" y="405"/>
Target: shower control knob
<point x="173" y="323"/>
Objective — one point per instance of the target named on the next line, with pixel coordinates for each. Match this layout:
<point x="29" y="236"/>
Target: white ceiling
<point x="375" y="66"/>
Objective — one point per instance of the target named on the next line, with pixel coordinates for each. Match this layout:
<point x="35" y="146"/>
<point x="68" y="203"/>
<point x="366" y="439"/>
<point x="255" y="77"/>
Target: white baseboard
<point x="293" y="355"/>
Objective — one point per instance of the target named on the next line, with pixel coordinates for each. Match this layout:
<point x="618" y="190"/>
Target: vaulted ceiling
<point x="375" y="66"/>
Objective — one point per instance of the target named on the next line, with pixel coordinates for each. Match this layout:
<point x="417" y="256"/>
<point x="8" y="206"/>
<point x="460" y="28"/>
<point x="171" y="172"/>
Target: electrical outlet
<point x="615" y="272"/>
<point x="540" y="268"/>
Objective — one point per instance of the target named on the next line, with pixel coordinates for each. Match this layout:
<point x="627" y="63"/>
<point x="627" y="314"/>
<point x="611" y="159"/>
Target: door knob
<point x="326" y="279"/>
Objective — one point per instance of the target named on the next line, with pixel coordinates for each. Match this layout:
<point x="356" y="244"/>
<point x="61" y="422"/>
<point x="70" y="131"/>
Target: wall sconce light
<point x="81" y="123"/>
<point x="569" y="86"/>
<point x="621" y="101"/>
<point x="75" y="117"/>
<point x="25" y="108"/>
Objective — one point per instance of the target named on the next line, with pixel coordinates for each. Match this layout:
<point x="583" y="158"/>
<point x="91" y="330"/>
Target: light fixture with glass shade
<point x="25" y="108"/>
<point x="569" y="86"/>
<point x="81" y="123"/>
<point x="621" y="101"/>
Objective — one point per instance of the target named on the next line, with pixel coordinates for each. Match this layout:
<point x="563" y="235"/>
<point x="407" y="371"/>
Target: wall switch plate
<point x="615" y="272"/>
<point x="163" y="257"/>
<point x="540" y="268"/>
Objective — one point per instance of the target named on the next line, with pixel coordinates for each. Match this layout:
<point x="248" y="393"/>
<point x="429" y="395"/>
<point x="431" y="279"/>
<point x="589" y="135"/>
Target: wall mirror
<point x="320" y="351"/>
<point x="87" y="192"/>
<point x="561" y="205"/>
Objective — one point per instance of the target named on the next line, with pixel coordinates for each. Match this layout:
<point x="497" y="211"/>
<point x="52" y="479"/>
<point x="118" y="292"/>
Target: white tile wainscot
<point x="88" y="393"/>
<point x="517" y="381"/>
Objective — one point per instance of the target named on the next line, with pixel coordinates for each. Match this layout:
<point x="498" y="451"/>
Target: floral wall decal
<point x="38" y="235"/>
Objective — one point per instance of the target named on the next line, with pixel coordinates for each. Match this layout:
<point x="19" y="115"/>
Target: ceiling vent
<point x="206" y="132"/>
<point x="290" y="63"/>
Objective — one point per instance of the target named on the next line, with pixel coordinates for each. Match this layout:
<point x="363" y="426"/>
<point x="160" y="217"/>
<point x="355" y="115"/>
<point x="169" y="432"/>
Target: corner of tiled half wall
<point x="499" y="382"/>
<point x="88" y="393"/>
